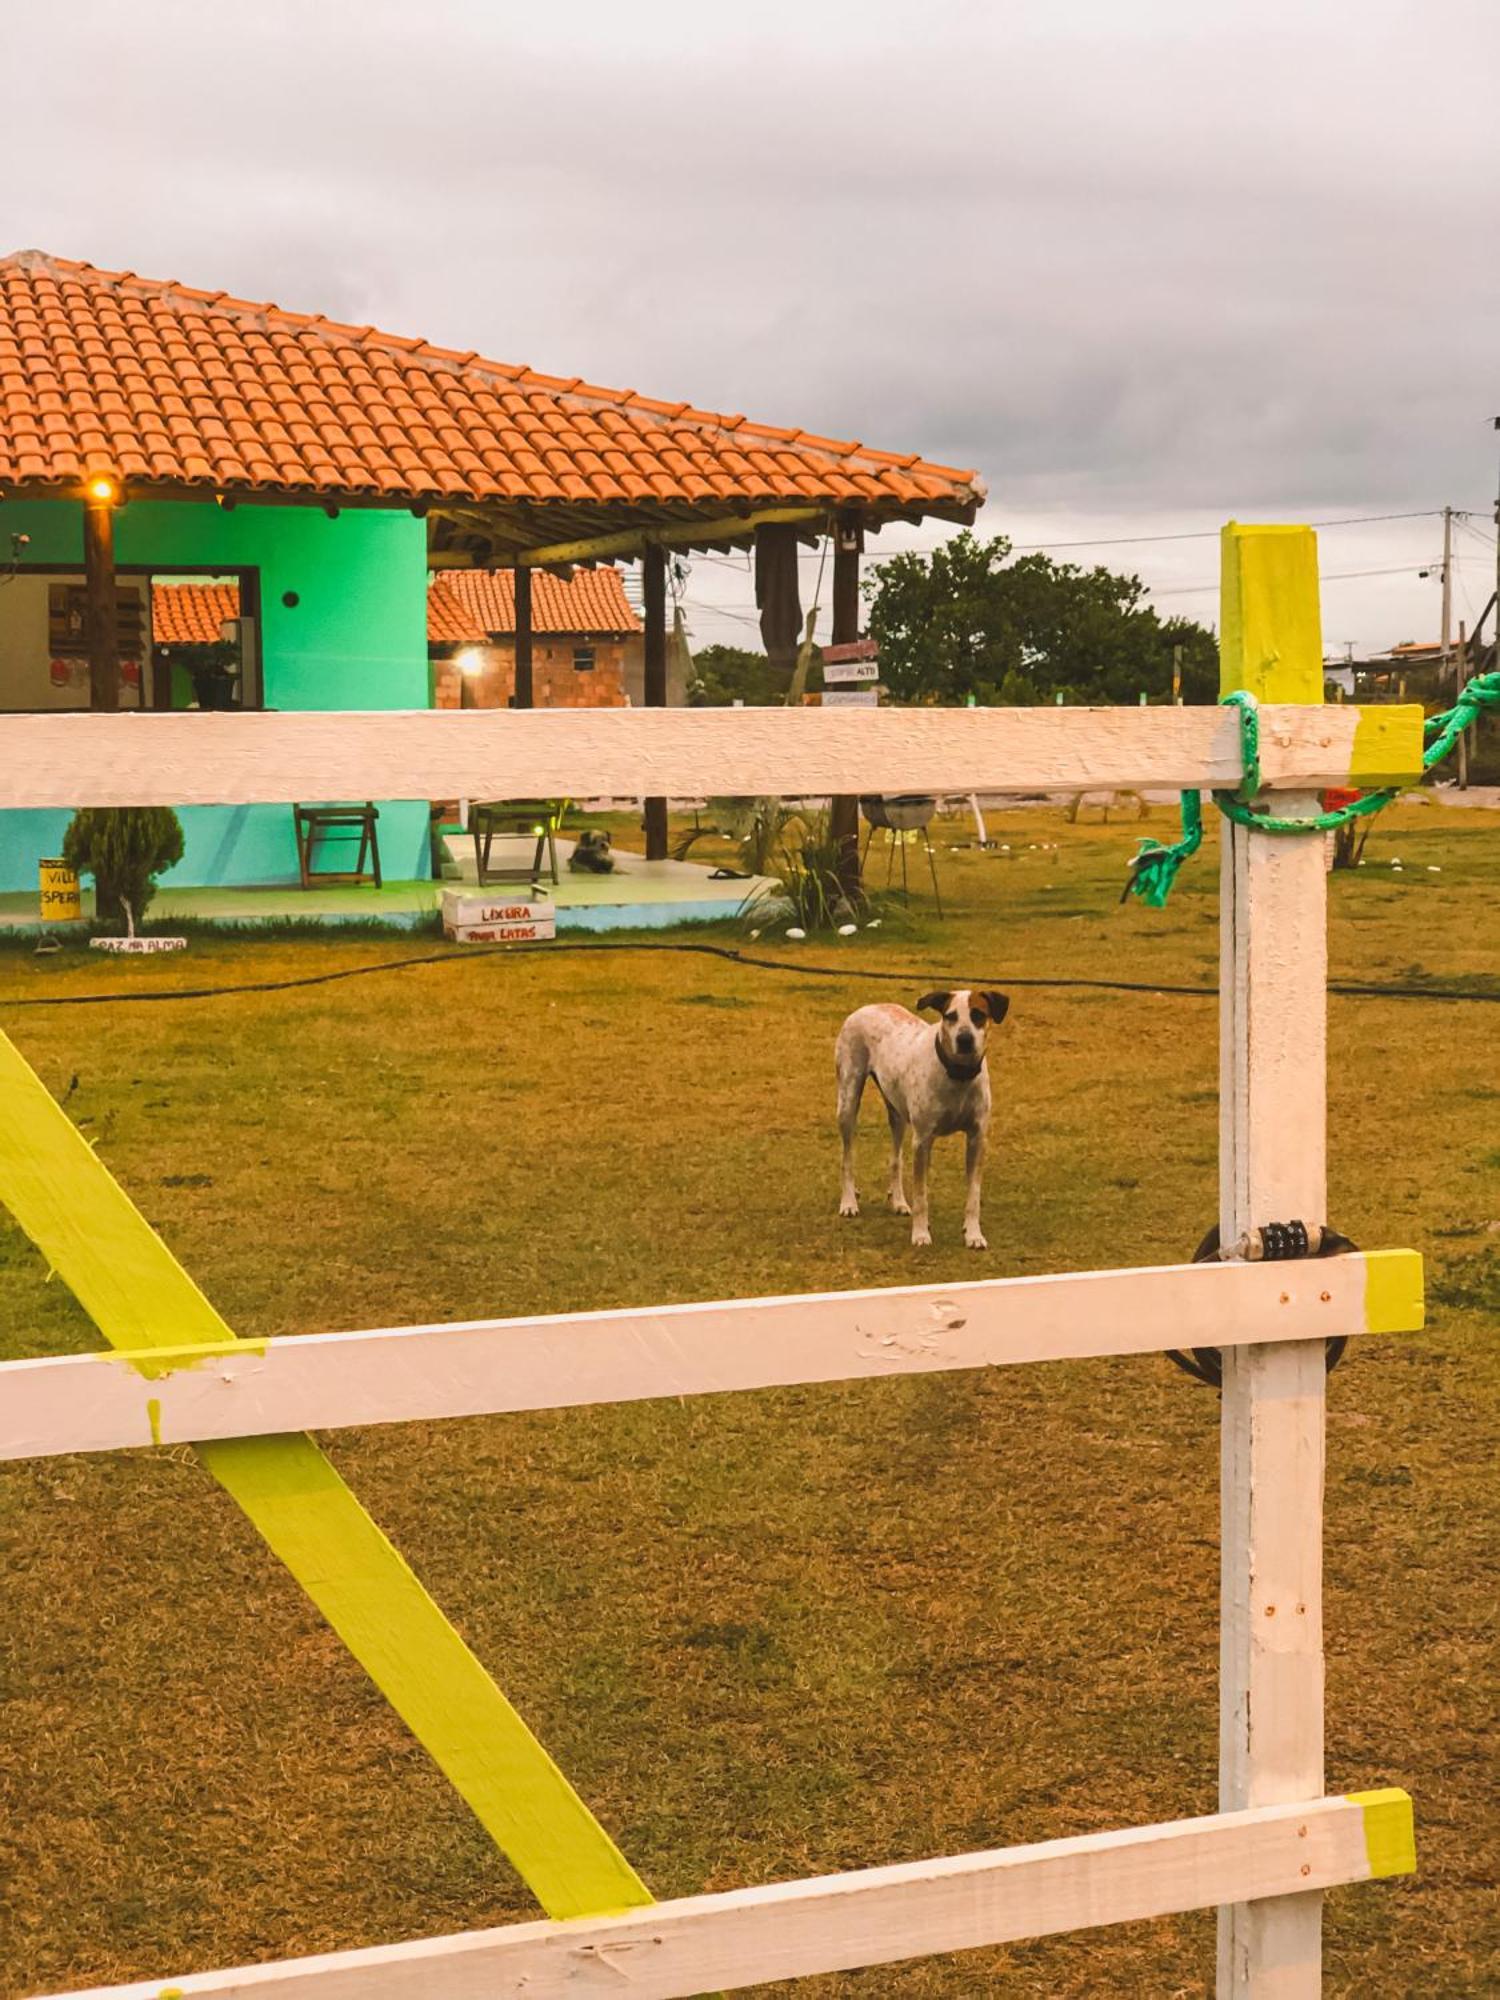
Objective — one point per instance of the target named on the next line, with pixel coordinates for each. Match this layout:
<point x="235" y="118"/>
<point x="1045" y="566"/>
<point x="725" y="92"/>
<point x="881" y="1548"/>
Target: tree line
<point x="970" y="622"/>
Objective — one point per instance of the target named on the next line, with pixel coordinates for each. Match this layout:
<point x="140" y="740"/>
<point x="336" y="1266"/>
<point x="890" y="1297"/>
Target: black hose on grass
<point x="1348" y="990"/>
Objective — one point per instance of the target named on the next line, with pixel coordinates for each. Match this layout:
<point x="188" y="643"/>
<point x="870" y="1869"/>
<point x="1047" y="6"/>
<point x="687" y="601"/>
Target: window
<point x="583" y="659"/>
<point x="184" y="640"/>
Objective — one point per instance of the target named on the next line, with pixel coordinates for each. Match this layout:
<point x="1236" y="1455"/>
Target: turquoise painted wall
<point x="357" y="638"/>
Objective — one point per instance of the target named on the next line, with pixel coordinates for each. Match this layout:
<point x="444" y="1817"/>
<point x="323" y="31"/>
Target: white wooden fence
<point x="1279" y="1839"/>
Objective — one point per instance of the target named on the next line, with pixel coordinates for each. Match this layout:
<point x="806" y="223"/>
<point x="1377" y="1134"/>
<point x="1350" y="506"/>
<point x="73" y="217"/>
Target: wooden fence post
<point x="1272" y="1168"/>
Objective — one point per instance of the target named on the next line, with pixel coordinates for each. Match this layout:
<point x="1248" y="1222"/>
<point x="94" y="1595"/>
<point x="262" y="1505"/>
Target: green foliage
<point x="763" y="831"/>
<point x="793" y="848"/>
<point x="807" y="891"/>
<point x="723" y="675"/>
<point x="124" y="848"/>
<point x="968" y="621"/>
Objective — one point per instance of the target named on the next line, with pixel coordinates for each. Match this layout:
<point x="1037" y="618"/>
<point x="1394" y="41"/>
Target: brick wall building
<point x="586" y="647"/>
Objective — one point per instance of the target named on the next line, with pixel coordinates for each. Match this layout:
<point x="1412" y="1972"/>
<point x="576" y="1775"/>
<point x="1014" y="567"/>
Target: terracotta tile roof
<point x="165" y="385"/>
<point x="190" y="614"/>
<point x="464" y="605"/>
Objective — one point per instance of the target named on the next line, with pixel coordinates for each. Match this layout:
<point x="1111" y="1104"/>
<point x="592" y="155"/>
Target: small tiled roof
<point x="464" y="605"/>
<point x="164" y="385"/>
<point x="190" y="614"/>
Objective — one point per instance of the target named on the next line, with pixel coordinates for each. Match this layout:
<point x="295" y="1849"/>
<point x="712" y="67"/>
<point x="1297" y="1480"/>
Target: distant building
<point x="587" y="648"/>
<point x="1414" y="670"/>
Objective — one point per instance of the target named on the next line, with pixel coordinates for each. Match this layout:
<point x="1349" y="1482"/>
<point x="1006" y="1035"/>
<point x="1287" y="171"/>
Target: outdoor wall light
<point x="471" y="661"/>
<point x="103" y="489"/>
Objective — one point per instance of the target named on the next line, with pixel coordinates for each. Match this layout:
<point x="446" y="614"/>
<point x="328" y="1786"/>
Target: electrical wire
<point x="1343" y="989"/>
<point x="1123" y="541"/>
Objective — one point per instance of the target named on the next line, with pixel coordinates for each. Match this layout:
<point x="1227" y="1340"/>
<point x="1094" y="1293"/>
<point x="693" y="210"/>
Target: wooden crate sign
<point x="496" y="919"/>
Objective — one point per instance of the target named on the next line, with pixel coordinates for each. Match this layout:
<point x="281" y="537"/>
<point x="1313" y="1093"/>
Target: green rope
<point x="1154" y="869"/>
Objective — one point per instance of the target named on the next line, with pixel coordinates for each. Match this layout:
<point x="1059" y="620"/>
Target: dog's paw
<point x="849" y="1205"/>
<point x="974" y="1240"/>
<point x="921" y="1237"/>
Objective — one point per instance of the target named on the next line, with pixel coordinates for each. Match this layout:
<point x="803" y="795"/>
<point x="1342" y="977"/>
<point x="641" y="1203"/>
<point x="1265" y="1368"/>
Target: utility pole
<point x="1460" y="676"/>
<point x="1447" y="593"/>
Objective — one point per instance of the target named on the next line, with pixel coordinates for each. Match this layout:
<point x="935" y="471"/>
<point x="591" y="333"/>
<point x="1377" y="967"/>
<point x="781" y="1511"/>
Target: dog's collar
<point x="960" y="1072"/>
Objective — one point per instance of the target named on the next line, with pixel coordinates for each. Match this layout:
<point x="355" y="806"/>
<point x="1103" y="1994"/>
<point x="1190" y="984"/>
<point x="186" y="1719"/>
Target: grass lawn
<point x="774" y="1634"/>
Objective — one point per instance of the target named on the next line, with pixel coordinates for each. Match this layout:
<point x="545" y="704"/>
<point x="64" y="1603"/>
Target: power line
<point x="742" y="562"/>
<point x="1328" y="576"/>
<point x="1211" y="534"/>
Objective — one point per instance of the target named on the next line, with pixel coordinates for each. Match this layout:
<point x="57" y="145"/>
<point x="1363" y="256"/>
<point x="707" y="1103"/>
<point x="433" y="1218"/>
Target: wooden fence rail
<point x="329" y="1381"/>
<point x="213" y="758"/>
<point x="871" y="1916"/>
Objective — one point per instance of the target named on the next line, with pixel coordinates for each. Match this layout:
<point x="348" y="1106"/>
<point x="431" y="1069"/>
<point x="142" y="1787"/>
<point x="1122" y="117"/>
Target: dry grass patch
<point x="770" y="1634"/>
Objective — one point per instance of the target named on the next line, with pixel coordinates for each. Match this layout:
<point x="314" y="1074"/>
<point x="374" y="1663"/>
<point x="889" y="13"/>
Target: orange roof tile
<point x="464" y="607"/>
<point x="190" y="614"/>
<point x="107" y="372"/>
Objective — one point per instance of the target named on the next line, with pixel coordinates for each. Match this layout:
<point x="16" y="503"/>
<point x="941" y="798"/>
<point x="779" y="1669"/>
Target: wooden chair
<point x="341" y="821"/>
<point x="539" y="818"/>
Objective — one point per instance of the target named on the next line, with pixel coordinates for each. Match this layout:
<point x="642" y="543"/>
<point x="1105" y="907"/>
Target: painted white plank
<point x="833" y="1923"/>
<point x="231" y="759"/>
<point x="1273" y="1168"/>
<point x="324" y="1381"/>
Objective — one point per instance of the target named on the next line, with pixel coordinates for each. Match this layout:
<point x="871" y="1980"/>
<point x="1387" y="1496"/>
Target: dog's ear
<point x="938" y="1000"/>
<point x="999" y="1006"/>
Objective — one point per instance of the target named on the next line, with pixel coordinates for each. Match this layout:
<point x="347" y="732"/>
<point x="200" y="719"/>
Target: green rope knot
<point x="1154" y="869"/>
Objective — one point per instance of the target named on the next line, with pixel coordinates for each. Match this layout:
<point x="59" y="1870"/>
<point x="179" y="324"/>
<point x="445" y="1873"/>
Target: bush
<point x="124" y="848"/>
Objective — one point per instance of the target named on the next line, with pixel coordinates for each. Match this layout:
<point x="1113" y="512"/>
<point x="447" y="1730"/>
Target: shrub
<point x="124" y="848"/>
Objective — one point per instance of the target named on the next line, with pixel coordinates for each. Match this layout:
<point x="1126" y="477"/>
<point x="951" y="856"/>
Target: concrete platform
<point x="639" y="895"/>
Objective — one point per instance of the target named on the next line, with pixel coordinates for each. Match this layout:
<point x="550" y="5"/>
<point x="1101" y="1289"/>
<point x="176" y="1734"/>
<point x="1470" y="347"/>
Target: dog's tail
<point x="852" y="1062"/>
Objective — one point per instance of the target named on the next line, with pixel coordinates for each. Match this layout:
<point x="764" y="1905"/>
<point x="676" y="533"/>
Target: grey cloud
<point x="1143" y="259"/>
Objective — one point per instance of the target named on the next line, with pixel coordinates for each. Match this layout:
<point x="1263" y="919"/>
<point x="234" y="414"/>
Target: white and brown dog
<point x="935" y="1083"/>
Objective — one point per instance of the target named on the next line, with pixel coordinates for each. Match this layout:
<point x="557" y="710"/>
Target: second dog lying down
<point x="935" y="1082"/>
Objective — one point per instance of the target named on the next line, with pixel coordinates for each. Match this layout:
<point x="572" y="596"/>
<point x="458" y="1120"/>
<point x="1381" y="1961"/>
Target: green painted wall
<point x="356" y="639"/>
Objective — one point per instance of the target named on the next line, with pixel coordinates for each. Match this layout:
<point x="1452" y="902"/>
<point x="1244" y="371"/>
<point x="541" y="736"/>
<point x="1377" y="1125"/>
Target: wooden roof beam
<point x="678" y="534"/>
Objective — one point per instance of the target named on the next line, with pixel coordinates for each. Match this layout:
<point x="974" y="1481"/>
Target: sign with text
<point x="855" y="697"/>
<point x="481" y="919"/>
<point x="837" y="673"/>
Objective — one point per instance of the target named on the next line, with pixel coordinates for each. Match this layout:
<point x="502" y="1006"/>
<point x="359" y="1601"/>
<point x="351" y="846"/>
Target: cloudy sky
<point x="1145" y="263"/>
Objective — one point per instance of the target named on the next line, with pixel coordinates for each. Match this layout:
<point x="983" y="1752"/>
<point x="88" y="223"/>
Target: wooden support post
<point x="654" y="615"/>
<point x="1272" y="1168"/>
<point x="843" y="827"/>
<point x="103" y="616"/>
<point x="525" y="688"/>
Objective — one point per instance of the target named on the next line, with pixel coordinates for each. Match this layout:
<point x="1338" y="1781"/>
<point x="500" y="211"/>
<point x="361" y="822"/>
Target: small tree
<point x="124" y="848"/>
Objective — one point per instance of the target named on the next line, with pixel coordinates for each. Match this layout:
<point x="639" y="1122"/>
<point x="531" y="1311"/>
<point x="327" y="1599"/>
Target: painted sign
<point x="479" y="918"/>
<point x="856" y="697"/>
<point x="138" y="944"/>
<point x="851" y="649"/>
<point x="836" y="672"/>
<point x="532" y="933"/>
